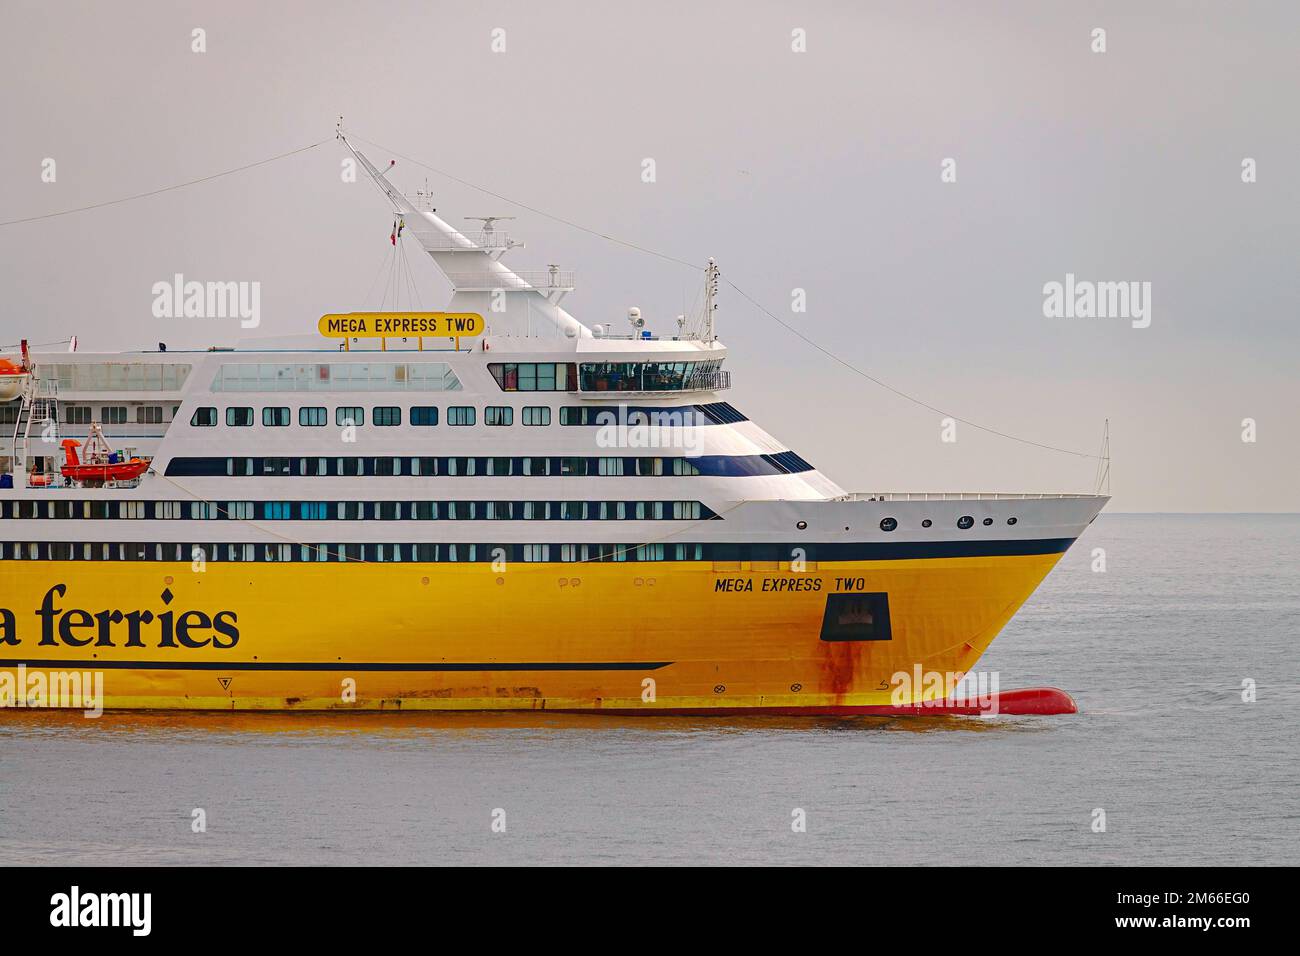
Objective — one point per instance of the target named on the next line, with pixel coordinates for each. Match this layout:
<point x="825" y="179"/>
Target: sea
<point x="1178" y="636"/>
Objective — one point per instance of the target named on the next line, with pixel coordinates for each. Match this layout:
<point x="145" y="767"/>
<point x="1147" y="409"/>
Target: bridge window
<point x="535" y="376"/>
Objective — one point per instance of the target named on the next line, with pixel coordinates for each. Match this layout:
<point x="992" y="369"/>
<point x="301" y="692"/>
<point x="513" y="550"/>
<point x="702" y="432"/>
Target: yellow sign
<point x="383" y="325"/>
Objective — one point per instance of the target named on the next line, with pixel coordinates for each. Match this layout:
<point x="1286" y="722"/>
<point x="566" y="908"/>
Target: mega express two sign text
<point x="380" y="325"/>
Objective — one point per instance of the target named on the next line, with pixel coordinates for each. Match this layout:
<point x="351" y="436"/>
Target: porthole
<point x="987" y="522"/>
<point x="965" y="521"/>
<point x="803" y="525"/>
<point x="888" y="524"/>
<point x="926" y="523"/>
<point x="1012" y="520"/>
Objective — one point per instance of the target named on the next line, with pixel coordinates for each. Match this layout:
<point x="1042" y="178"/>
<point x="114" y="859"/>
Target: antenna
<point x="424" y="197"/>
<point x="710" y="290"/>
<point x="488" y="220"/>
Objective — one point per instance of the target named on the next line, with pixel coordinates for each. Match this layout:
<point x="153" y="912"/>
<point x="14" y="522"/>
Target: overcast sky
<point x="817" y="170"/>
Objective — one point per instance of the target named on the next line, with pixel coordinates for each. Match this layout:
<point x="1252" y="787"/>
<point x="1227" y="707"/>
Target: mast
<point x="512" y="302"/>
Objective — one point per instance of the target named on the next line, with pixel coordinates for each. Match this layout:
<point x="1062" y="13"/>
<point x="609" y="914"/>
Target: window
<point x="241" y="417"/>
<point x="386" y="415"/>
<point x="856" y="617"/>
<point x="349" y="415"/>
<point x="275" y="417"/>
<point x="965" y="521"/>
<point x="987" y="522"/>
<point x="888" y="524"/>
<point x="424" y="414"/>
<point x="148" y="415"/>
<point x="78" y="415"/>
<point x="535" y="376"/>
<point x="498" y="415"/>
<point x="926" y="523"/>
<point x="204" y="417"/>
<point x="537" y="414"/>
<point x="311" y="416"/>
<point x="1011" y="520"/>
<point x="460" y="415"/>
<point x="113" y="414"/>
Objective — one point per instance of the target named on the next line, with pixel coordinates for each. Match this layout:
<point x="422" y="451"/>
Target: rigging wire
<point x="533" y="209"/>
<point x="164" y="189"/>
<point x="804" y="338"/>
<point x="885" y="385"/>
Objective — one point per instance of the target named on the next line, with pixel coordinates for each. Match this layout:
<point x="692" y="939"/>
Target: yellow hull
<point x="596" y="636"/>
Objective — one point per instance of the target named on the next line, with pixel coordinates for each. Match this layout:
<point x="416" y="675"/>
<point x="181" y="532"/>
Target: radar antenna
<point x="488" y="220"/>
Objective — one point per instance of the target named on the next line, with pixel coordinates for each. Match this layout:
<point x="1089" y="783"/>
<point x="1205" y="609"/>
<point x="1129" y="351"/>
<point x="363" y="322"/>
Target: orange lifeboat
<point x="104" y="464"/>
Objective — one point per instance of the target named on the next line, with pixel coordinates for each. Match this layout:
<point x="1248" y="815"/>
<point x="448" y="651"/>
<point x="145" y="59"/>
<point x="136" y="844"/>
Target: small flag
<point x="401" y="224"/>
<point x="392" y="237"/>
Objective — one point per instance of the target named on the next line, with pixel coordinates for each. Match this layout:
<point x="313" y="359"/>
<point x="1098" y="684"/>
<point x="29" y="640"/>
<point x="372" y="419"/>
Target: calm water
<point x="1154" y="650"/>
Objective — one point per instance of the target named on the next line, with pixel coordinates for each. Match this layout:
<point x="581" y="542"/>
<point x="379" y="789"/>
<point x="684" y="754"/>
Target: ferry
<point x="491" y="507"/>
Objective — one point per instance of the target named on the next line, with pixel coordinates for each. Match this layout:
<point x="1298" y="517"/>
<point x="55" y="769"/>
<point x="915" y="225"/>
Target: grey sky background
<point x="818" y="170"/>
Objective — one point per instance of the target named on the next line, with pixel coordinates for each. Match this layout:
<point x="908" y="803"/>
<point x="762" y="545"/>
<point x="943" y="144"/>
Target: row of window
<point x="117" y="376"/>
<point x="760" y="556"/>
<point x="115" y="414"/>
<point x="604" y="376"/>
<point x="336" y="377"/>
<point x="361" y="510"/>
<point x="965" y="522"/>
<point x="391" y="415"/>
<point x="380" y="415"/>
<point x="222" y="552"/>
<point x="728" y="466"/>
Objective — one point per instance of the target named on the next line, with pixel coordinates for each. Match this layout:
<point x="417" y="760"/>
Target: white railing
<point x="491" y="281"/>
<point x="480" y="240"/>
<point x="951" y="496"/>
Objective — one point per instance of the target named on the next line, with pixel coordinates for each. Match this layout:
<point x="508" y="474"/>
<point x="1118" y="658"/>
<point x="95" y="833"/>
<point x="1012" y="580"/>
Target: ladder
<point x="39" y="408"/>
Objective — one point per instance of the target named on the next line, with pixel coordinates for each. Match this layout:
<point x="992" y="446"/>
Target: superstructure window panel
<point x="204" y="417"/>
<point x="238" y="416"/>
<point x="537" y="415"/>
<point x="275" y="417"/>
<point x="349" y="415"/>
<point x="386" y="415"/>
<point x="424" y="415"/>
<point x="312" y="416"/>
